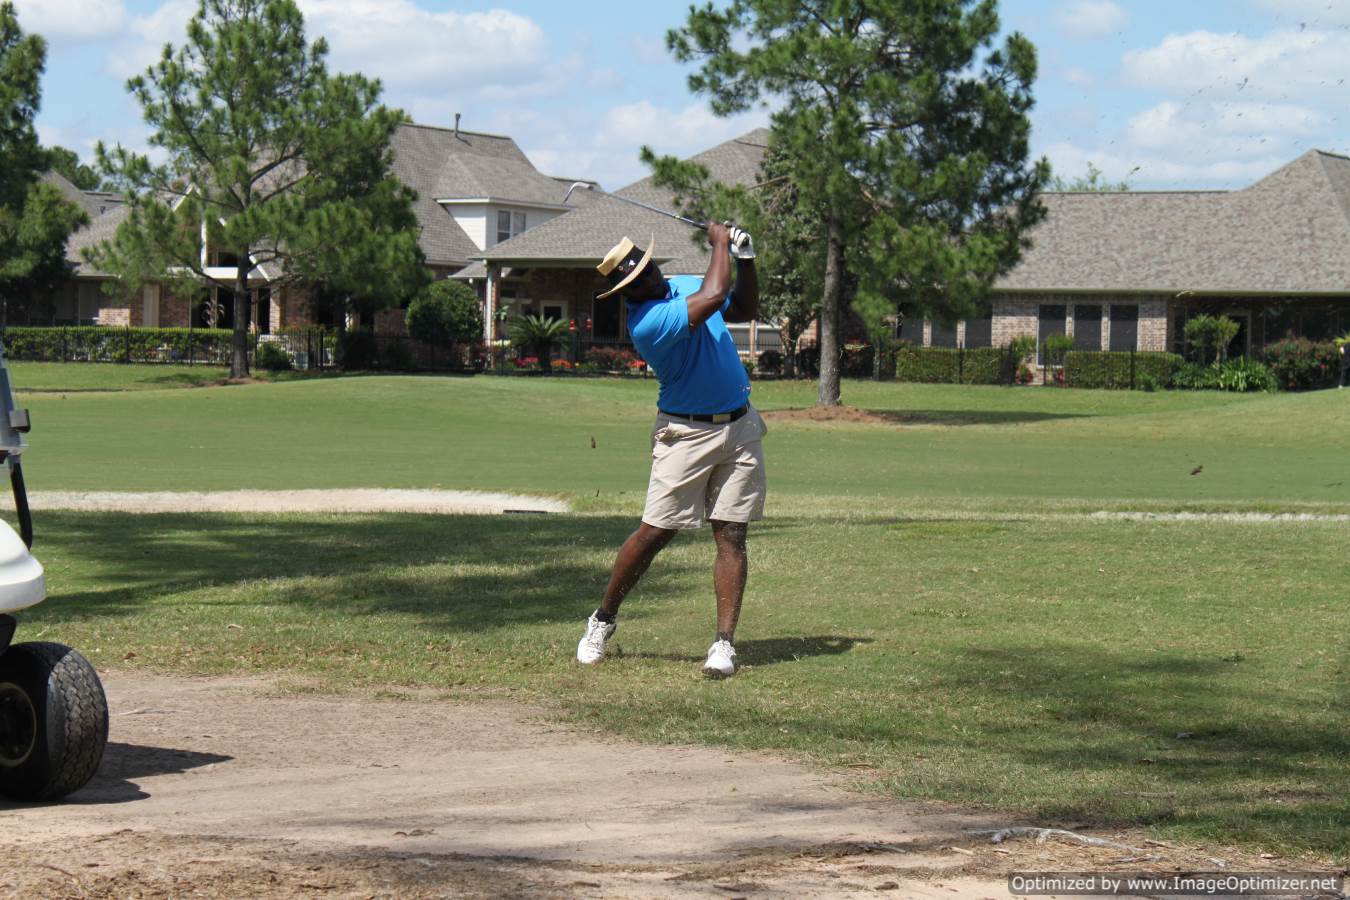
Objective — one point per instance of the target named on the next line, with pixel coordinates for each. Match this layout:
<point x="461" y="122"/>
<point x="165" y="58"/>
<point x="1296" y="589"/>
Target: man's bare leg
<point x="729" y="575"/>
<point x="635" y="556"/>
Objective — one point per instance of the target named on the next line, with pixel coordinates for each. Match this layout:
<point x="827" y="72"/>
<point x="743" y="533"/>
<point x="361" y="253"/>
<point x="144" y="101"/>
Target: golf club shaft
<point x="663" y="212"/>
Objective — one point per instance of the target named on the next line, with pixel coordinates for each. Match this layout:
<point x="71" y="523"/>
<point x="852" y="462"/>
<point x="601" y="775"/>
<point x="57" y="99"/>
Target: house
<point x="474" y="191"/>
<point x="550" y="270"/>
<point x="1124" y="271"/>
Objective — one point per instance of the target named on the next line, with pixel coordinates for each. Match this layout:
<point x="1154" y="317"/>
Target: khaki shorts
<point x="706" y="471"/>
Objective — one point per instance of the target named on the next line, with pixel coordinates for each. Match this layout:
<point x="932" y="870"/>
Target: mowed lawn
<point x="931" y="603"/>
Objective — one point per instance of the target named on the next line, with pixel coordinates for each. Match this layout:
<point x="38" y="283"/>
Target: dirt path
<point x="228" y="788"/>
<point x="335" y="500"/>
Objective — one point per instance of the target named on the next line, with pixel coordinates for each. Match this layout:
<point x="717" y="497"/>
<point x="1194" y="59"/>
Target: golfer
<point x="707" y="456"/>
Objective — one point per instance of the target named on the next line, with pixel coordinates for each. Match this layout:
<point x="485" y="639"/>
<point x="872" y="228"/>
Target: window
<point x="943" y="335"/>
<point x="1124" y="327"/>
<point x="979" y="332"/>
<point x="1051" y="319"/>
<point x="911" y="325"/>
<point x="553" y="312"/>
<point x="1087" y="327"/>
<point x="509" y="224"/>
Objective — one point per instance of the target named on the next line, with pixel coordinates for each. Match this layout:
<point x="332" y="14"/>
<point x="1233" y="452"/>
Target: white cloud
<point x="1089" y="19"/>
<point x="146" y="36"/>
<point x="1142" y="170"/>
<point x="1079" y="77"/>
<point x="406" y="46"/>
<point x="78" y="20"/>
<point x="1281" y="64"/>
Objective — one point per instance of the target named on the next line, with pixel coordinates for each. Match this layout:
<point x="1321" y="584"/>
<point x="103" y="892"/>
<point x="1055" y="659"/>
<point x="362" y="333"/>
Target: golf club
<point x="590" y="187"/>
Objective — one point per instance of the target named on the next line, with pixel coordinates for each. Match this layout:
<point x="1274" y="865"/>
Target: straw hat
<point x="624" y="262"/>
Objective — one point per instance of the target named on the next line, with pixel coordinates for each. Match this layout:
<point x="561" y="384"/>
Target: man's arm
<point x="745" y="296"/>
<point x="716" y="282"/>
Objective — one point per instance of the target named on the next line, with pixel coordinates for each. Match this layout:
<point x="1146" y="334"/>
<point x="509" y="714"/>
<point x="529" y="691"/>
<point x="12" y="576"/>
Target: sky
<point x="1204" y="94"/>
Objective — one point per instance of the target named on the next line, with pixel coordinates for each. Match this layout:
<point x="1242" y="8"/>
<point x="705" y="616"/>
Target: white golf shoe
<point x="721" y="660"/>
<point x="592" y="647"/>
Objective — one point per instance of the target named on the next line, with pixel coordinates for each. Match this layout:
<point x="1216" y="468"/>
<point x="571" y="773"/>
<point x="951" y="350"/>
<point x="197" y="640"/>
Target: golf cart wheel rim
<point x="18" y="726"/>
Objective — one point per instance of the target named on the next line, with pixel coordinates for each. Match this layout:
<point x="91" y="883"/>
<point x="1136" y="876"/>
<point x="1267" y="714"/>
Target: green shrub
<point x="445" y="312"/>
<point x="1244" y="375"/>
<point x="943" y="365"/>
<point x="1211" y="333"/>
<point x="749" y="367"/>
<point x="103" y="343"/>
<point x="1302" y="365"/>
<point x="272" y="356"/>
<point x="1146" y="383"/>
<point x="1056" y="345"/>
<point x="770" y="362"/>
<point x="358" y="350"/>
<point x="1196" y="377"/>
<point x="398" y="357"/>
<point x="1111" y="368"/>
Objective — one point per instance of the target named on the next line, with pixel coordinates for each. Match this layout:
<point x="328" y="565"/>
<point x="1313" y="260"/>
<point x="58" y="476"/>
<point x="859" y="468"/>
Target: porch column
<point x="490" y="299"/>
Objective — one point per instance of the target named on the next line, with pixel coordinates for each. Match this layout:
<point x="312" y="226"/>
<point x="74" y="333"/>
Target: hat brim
<point x="638" y="270"/>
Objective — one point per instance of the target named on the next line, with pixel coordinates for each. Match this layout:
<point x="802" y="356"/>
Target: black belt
<point x="715" y="418"/>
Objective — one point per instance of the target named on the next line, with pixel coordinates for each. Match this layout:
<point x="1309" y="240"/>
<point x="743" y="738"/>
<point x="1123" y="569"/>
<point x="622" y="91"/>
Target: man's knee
<point x="730" y="536"/>
<point x="652" y="536"/>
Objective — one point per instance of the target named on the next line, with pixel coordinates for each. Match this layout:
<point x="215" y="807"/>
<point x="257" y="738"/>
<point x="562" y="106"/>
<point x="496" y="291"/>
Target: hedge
<point x="101" y="343"/>
<point x="943" y="365"/>
<point x="1113" y="368"/>
<point x="1303" y="365"/>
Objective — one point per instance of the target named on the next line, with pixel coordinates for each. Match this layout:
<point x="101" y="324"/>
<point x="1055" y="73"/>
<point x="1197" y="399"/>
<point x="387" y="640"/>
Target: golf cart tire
<point x="69" y="715"/>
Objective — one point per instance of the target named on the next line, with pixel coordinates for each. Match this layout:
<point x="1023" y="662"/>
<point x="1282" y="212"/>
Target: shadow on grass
<point x="451" y="573"/>
<point x="954" y="417"/>
<point x="1175" y="738"/>
<point x="968" y="416"/>
<point x="767" y="651"/>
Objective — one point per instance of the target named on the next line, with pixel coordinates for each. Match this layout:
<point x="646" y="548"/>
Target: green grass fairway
<point x="934" y="604"/>
<point x="535" y="435"/>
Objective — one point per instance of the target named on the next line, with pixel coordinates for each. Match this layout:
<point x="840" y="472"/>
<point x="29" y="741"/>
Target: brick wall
<point x="114" y="315"/>
<point x="1018" y="314"/>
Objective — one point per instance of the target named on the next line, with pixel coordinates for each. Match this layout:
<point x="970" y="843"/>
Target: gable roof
<point x="583" y="236"/>
<point x="1288" y="233"/>
<point x="447" y="164"/>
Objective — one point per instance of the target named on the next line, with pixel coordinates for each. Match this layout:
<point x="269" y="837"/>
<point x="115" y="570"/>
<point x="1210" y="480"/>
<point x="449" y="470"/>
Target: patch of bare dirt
<point x="227" y="787"/>
<point x="839" y="413"/>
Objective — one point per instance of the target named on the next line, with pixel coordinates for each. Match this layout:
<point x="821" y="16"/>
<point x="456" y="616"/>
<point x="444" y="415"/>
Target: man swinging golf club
<point x="707" y="455"/>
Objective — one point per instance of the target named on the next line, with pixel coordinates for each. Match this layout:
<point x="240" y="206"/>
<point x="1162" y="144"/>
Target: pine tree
<point x="906" y="137"/>
<point x="270" y="160"/>
<point x="35" y="219"/>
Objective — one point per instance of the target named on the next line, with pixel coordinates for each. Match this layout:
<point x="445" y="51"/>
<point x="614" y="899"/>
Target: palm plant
<point x="540" y="335"/>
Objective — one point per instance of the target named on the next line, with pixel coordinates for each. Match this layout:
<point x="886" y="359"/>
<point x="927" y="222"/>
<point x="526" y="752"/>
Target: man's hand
<point x="719" y="235"/>
<point x="742" y="245"/>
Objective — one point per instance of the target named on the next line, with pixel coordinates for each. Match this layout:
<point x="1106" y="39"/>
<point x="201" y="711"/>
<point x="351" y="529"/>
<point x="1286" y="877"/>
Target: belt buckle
<point x="721" y="418"/>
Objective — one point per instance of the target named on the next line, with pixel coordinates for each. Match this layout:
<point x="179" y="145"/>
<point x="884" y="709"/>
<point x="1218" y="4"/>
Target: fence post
<point x="1132" y="386"/>
<point x="961" y="364"/>
<point x="63" y="346"/>
<point x="126" y="343"/>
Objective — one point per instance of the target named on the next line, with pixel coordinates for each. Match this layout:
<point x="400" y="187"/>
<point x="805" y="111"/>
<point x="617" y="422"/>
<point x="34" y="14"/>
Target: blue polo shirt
<point x="699" y="370"/>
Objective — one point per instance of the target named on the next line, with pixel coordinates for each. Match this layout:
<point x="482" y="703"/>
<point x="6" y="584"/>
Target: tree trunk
<point x="239" y="342"/>
<point x="829" y="314"/>
<point x="789" y="351"/>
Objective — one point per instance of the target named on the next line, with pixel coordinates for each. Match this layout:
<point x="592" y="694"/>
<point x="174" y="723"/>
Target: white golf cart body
<point x="22" y="583"/>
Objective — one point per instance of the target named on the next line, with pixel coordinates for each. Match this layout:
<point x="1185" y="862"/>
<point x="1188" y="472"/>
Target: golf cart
<point x="53" y="713"/>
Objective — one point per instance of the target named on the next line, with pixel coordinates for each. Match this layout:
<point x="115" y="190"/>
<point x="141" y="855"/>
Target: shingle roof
<point x="1288" y="233"/>
<point x="584" y="236"/>
<point x="442" y="164"/>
